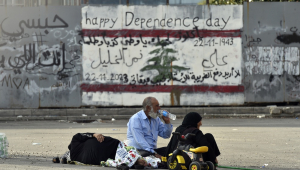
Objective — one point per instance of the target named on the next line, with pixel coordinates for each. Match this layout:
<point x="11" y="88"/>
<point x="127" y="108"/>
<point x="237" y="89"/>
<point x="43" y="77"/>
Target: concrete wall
<point x="40" y="57"/>
<point x="271" y="52"/>
<point x="117" y="55"/>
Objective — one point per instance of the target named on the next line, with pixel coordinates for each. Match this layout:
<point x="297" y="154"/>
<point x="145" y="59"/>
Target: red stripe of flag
<point x="161" y="33"/>
<point x="159" y="88"/>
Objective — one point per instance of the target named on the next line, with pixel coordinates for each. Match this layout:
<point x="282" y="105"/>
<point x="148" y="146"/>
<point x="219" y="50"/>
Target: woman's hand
<point x="99" y="137"/>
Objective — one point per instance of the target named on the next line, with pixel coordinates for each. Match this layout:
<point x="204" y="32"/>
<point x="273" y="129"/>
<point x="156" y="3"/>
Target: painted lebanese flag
<point x="182" y="55"/>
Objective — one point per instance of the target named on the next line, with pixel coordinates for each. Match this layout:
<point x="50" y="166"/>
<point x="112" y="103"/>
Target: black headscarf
<point x="190" y="120"/>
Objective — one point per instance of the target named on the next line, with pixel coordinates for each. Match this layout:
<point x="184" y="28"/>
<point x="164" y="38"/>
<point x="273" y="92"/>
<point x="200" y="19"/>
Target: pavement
<point x="254" y="143"/>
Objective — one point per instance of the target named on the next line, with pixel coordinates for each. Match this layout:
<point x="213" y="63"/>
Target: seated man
<point x="144" y="127"/>
<point x="92" y="148"/>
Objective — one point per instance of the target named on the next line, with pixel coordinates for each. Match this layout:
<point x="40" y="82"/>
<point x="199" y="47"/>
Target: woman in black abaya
<point x="92" y="148"/>
<point x="191" y="124"/>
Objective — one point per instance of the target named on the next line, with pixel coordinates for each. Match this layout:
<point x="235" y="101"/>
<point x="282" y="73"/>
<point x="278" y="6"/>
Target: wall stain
<point x="175" y="93"/>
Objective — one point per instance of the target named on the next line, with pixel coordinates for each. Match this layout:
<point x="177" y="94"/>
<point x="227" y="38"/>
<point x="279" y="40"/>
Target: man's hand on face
<point x="99" y="137"/>
<point x="166" y="119"/>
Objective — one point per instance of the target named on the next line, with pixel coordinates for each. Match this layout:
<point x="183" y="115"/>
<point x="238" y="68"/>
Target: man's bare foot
<point x="141" y="162"/>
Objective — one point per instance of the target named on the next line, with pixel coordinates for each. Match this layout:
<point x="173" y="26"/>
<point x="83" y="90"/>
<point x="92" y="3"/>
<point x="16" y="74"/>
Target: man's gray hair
<point x="147" y="102"/>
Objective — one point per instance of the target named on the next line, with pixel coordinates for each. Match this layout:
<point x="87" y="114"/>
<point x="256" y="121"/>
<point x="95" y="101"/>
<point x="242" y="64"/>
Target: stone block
<point x="40" y="112"/>
<point x="261" y="110"/>
<point x="244" y="110"/>
<point x="199" y="110"/>
<point x="7" y="113"/>
<point x="286" y="115"/>
<point x="296" y="109"/>
<point x="126" y="111"/>
<point x="179" y="117"/>
<point x="288" y="110"/>
<point x="58" y="112"/>
<point x="100" y="117"/>
<point x="105" y="117"/>
<point x="22" y="112"/>
<point x="138" y="109"/>
<point x="210" y="110"/>
<point x="91" y="112"/>
<point x="73" y="118"/>
<point x="75" y="112"/>
<point x="121" y="117"/>
<point x="178" y="111"/>
<point x="33" y="118"/>
<point x="8" y="118"/>
<point x="55" y="118"/>
<point x="275" y="111"/>
<point x="109" y="111"/>
<point x="227" y="110"/>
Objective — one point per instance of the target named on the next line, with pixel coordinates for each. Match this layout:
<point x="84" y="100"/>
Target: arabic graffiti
<point x="63" y="24"/>
<point x="181" y="77"/>
<point x="135" y="38"/>
<point x="272" y="60"/>
<point x="61" y="85"/>
<point x="289" y="38"/>
<point x="30" y="61"/>
<point x="251" y="41"/>
<point x="104" y="60"/>
<point x="213" y="59"/>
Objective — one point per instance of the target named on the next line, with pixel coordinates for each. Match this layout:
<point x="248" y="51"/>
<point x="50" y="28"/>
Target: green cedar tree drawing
<point x="162" y="62"/>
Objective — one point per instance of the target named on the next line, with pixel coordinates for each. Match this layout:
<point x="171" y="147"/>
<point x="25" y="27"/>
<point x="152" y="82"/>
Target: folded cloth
<point x="125" y="155"/>
<point x="152" y="161"/>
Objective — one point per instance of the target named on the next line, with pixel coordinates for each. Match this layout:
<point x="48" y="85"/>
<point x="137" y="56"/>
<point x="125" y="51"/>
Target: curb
<point x="126" y="113"/>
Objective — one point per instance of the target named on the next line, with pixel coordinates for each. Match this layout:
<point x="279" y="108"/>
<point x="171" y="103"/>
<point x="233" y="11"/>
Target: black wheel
<point x="173" y="165"/>
<point x="187" y="159"/>
<point x="195" y="166"/>
<point x="210" y="165"/>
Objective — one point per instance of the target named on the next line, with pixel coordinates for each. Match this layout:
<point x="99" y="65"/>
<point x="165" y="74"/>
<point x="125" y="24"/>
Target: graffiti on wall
<point x="272" y="60"/>
<point x="271" y="53"/>
<point x="126" y="49"/>
<point x="38" y="54"/>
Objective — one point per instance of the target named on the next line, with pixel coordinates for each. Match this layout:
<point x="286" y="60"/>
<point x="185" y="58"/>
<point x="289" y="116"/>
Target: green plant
<point x="162" y="62"/>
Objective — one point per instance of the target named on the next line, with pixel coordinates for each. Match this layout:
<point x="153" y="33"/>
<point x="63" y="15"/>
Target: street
<point x="244" y="143"/>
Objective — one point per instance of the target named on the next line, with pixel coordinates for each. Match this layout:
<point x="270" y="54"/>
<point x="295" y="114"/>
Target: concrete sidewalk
<point x="126" y="113"/>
